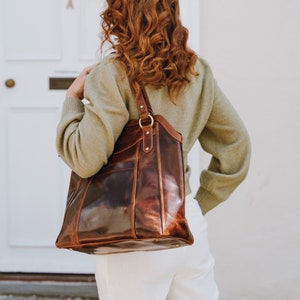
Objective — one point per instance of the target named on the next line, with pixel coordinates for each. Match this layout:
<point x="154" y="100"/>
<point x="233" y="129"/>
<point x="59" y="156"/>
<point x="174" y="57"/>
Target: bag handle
<point x="146" y="100"/>
<point x="146" y="120"/>
<point x="142" y="101"/>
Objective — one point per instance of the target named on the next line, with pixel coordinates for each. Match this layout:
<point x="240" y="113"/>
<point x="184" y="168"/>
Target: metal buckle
<point x="151" y="123"/>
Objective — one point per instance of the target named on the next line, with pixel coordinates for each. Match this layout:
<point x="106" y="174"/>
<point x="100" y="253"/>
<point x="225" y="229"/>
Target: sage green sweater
<point x="86" y="133"/>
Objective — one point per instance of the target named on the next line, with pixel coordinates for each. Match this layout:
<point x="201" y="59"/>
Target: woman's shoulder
<point x="204" y="77"/>
<point x="203" y="67"/>
<point x="109" y="67"/>
<point x="108" y="62"/>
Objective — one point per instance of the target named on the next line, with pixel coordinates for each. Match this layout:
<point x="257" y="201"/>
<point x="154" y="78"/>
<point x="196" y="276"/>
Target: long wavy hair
<point x="150" y="42"/>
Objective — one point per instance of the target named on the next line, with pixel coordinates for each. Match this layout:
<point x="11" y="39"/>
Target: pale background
<point x="254" y="50"/>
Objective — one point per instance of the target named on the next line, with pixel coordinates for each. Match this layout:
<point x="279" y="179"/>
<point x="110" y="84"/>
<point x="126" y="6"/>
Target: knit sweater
<point x="86" y="133"/>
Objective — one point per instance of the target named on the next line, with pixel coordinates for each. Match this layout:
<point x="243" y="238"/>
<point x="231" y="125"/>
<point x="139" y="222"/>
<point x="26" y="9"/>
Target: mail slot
<point x="60" y="83"/>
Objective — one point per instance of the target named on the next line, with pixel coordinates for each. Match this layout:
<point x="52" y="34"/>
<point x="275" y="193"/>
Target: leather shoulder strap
<point x="146" y="120"/>
<point x="142" y="102"/>
<point x="146" y="100"/>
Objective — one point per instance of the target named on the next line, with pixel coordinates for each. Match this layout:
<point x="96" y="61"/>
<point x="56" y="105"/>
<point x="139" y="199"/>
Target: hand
<point x="76" y="88"/>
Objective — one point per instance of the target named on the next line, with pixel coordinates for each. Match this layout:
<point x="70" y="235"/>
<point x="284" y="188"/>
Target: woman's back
<point x="200" y="112"/>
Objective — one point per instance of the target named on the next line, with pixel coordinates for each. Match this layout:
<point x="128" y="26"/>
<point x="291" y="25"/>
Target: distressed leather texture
<point x="137" y="201"/>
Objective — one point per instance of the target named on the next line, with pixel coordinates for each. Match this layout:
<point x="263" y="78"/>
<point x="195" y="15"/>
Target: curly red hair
<point x="150" y="42"/>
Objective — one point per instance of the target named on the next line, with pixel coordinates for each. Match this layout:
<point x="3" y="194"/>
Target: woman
<point x="149" y="44"/>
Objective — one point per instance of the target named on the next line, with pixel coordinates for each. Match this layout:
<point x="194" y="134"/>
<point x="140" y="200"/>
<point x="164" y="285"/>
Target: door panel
<point x="37" y="194"/>
<point x="39" y="40"/>
<point x="32" y="29"/>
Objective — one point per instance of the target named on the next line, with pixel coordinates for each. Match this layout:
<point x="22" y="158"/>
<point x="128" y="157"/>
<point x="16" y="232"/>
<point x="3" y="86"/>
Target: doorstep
<point x="52" y="286"/>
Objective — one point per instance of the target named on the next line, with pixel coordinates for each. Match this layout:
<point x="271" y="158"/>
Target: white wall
<point x="254" y="50"/>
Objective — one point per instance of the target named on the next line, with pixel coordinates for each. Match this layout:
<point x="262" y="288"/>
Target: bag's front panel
<point x="147" y="203"/>
<point x="68" y="235"/>
<point x="130" y="136"/>
<point x="174" y="222"/>
<point x="107" y="210"/>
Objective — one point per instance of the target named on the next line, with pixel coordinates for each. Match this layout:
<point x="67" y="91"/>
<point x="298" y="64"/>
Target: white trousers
<point x="184" y="273"/>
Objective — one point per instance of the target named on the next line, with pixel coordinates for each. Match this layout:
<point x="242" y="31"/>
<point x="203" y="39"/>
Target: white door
<point x="40" y="40"/>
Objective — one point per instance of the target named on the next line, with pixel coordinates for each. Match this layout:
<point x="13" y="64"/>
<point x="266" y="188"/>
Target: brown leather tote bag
<point x="137" y="201"/>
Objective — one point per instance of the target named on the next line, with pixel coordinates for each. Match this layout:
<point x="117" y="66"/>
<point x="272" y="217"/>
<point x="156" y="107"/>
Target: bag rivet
<point x="147" y="148"/>
<point x="147" y="132"/>
<point x="141" y="106"/>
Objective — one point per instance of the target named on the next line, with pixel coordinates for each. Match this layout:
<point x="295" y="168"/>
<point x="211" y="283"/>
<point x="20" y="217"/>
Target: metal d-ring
<point x="151" y="119"/>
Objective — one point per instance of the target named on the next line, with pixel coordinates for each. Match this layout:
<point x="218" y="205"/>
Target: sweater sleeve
<point x="226" y="139"/>
<point x="86" y="134"/>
